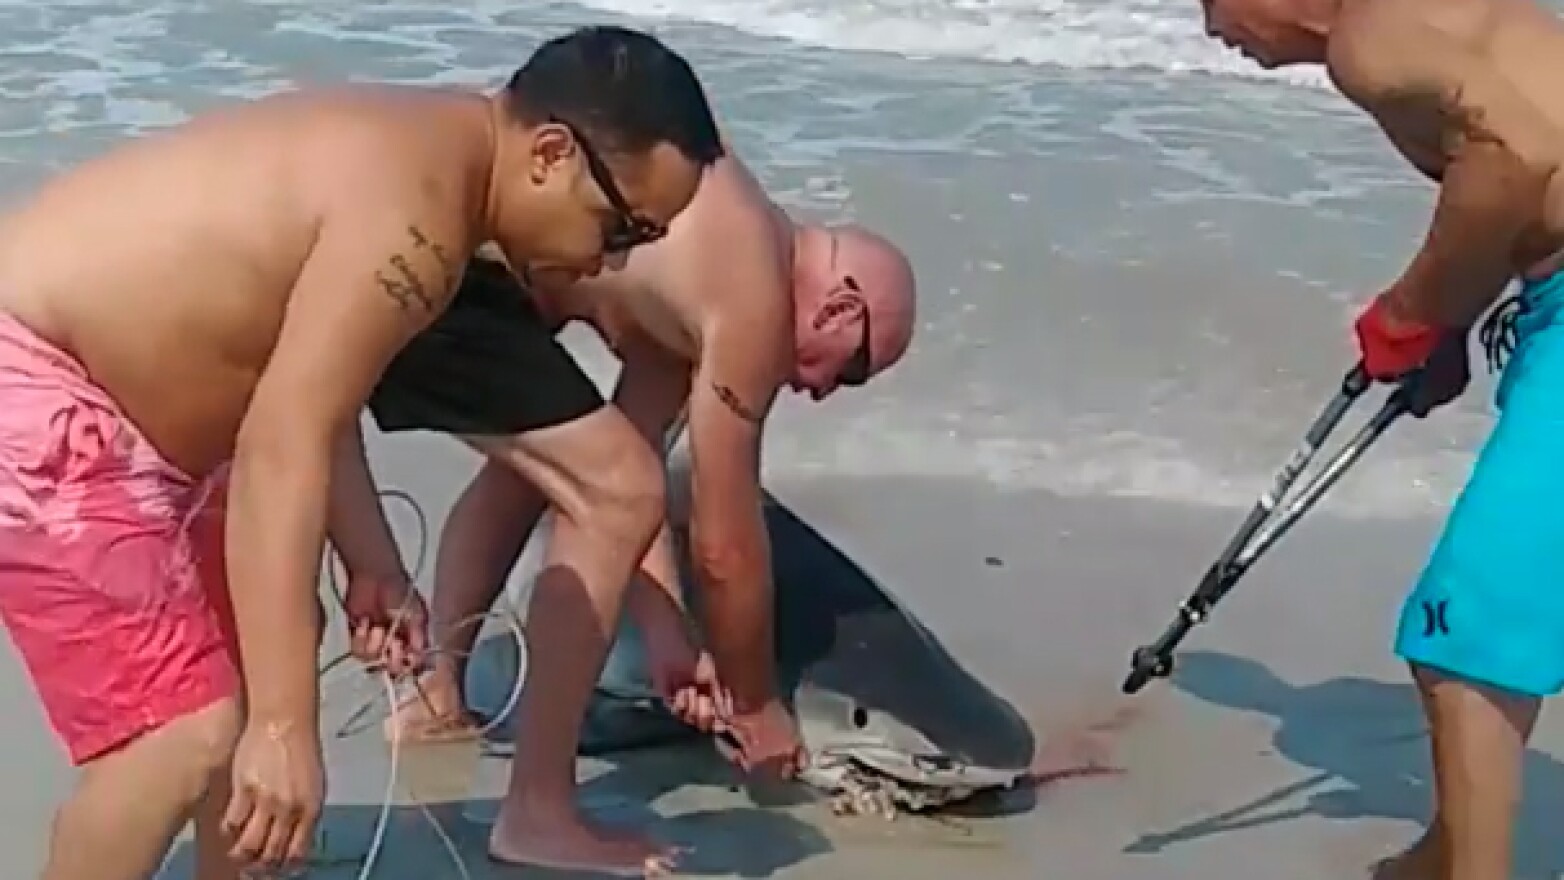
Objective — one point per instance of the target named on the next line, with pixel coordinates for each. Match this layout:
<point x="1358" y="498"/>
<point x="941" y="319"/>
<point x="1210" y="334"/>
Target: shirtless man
<point x="276" y="254"/>
<point x="1469" y="92"/>
<point x="735" y="304"/>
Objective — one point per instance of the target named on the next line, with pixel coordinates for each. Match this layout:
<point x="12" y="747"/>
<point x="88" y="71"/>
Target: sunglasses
<point x="856" y="371"/>
<point x="629" y="229"/>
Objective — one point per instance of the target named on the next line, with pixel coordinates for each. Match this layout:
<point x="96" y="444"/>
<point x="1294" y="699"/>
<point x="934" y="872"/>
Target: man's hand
<point x="768" y="742"/>
<point x="701" y="701"/>
<point x="279" y="784"/>
<point x="1394" y="347"/>
<point x="1391" y="345"/>
<point x="1444" y="377"/>
<point x="689" y="688"/>
<point x="388" y="623"/>
<point x="682" y="675"/>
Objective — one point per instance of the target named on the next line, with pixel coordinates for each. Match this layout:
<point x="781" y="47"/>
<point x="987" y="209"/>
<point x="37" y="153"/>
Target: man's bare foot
<point x="570" y="843"/>
<point x="1420" y="861"/>
<point x="422" y="718"/>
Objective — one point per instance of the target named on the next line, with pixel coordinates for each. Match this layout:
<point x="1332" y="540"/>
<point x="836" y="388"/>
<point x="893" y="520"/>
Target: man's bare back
<point x="1441" y="76"/>
<point x="649" y="301"/>
<point x="174" y="259"/>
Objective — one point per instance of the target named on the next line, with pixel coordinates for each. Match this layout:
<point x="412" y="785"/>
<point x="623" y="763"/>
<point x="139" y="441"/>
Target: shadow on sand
<point x="749" y="843"/>
<point x="720" y="831"/>
<point x="1365" y="744"/>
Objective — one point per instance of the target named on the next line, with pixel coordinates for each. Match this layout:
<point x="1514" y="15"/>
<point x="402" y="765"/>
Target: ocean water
<point x="1138" y="254"/>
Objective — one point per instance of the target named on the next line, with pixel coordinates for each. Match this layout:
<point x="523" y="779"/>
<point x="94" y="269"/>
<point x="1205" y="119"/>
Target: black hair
<point x="623" y="89"/>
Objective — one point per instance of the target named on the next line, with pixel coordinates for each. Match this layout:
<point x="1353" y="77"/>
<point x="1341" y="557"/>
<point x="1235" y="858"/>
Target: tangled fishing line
<point x="389" y="683"/>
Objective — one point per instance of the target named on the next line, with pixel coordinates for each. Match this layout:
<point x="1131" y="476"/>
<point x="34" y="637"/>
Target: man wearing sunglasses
<point x="250" y="275"/>
<point x="736" y="303"/>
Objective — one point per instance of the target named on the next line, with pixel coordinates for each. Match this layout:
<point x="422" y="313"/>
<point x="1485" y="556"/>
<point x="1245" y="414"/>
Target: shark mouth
<point x="861" y="770"/>
<point x="871" y="762"/>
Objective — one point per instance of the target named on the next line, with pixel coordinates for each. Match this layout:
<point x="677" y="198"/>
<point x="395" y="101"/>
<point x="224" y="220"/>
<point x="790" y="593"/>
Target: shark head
<point x="866" y="678"/>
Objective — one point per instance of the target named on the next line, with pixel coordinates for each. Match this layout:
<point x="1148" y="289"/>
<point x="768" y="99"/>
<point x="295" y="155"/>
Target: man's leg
<point x="605" y="484"/>
<point x="148" y="708"/>
<point x="482" y="538"/>
<point x="1479" y="737"/>
<point x="1426" y="858"/>
<point x="111" y="615"/>
<point x="489" y="526"/>
<point x="1483" y="631"/>
<point x="490" y="367"/>
<point x="490" y="370"/>
<point x="212" y="843"/>
<point x="130" y="804"/>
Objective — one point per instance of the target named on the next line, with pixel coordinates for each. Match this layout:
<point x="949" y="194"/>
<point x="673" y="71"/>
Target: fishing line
<point x="389" y="686"/>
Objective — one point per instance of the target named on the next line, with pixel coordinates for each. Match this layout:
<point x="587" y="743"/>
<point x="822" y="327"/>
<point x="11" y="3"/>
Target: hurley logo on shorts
<point x="1434" y="618"/>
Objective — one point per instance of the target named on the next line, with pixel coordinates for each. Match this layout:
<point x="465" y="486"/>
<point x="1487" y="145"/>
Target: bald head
<point x="884" y="278"/>
<point x="855" y="305"/>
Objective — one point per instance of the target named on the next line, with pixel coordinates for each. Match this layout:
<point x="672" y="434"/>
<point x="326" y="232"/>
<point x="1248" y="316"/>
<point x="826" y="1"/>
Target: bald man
<point x="711" y="322"/>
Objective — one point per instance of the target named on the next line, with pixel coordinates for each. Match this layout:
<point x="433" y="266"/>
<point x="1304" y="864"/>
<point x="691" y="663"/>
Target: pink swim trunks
<point x="111" y="560"/>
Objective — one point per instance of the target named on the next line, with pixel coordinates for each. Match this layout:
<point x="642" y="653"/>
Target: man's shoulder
<point x="729" y="201"/>
<point x="726" y="247"/>
<point x="1373" y="44"/>
<point x="378" y="153"/>
<point x="1364" y="25"/>
<point x="736" y="272"/>
<point x="1391" y="51"/>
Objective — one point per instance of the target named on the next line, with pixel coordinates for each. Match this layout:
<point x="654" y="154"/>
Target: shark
<point x="891" y="720"/>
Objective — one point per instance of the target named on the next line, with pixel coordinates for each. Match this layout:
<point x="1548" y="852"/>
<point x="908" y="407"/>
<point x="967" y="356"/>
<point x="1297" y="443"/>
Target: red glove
<point x="1392" y="348"/>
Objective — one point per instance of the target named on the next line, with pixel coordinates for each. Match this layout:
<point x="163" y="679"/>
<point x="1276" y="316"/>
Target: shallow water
<point x="1138" y="254"/>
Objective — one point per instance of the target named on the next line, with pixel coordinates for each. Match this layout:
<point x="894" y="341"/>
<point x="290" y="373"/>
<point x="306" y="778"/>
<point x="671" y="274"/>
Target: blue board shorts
<point x="1489" y="606"/>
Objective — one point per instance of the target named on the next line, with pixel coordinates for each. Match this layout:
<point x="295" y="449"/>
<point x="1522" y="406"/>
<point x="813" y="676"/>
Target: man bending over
<point x="735" y="304"/>
<point x="1469" y="92"/>
<point x="251" y="274"/>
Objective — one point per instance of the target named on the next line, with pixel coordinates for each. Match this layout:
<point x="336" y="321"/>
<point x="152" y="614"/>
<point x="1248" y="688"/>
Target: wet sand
<point x="1289" y="734"/>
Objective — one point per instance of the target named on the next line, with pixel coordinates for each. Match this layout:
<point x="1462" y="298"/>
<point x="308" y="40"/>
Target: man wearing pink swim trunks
<point x="247" y="279"/>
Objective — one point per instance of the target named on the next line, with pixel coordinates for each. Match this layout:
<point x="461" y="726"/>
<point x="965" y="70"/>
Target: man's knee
<point x="596" y="471"/>
<point x="183" y="755"/>
<point x="203" y="740"/>
<point x="629" y="496"/>
<point x="1453" y="698"/>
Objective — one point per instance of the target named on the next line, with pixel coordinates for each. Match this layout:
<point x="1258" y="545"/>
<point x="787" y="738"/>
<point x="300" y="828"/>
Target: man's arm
<point x="1501" y="153"/>
<point x="356" y="521"/>
<point x="743" y="364"/>
<point x="652" y="390"/>
<point x="372" y="280"/>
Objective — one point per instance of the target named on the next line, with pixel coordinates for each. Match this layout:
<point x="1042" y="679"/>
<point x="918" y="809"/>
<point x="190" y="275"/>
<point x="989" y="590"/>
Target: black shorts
<point x="489" y="365"/>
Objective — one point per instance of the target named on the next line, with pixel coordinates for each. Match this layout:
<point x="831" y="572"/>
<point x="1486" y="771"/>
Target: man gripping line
<point x="250" y="275"/>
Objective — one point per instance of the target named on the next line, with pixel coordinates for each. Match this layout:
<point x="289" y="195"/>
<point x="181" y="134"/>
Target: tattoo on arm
<point x="738" y="407"/>
<point x="401" y="281"/>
